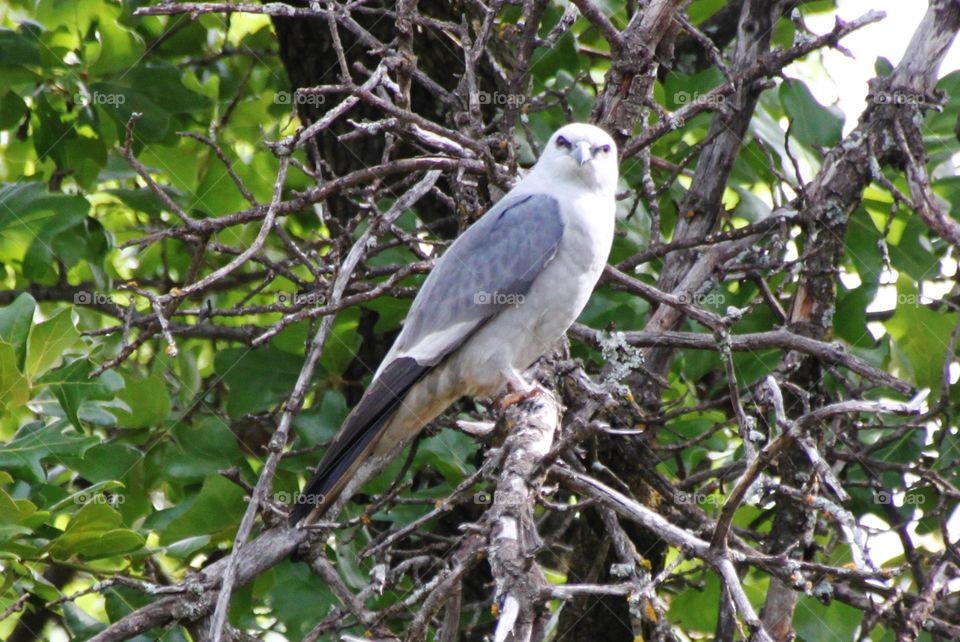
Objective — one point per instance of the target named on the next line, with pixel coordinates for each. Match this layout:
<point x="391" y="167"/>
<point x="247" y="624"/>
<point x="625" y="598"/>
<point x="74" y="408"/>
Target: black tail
<point x="357" y="437"/>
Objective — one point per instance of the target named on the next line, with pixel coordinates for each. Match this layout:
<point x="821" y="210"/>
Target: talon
<point x="513" y="398"/>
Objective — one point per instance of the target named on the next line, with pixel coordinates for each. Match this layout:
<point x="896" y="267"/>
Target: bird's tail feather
<point x="357" y="437"/>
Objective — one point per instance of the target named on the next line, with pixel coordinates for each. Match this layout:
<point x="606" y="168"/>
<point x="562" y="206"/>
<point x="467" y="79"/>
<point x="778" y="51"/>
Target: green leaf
<point x="391" y="311"/>
<point x="120" y="102"/>
<point x="548" y="62"/>
<point x="862" y="248"/>
<point x="219" y="506"/>
<point x="817" y="621"/>
<point x="687" y="608"/>
<point x="203" y="448"/>
<point x="10" y="532"/>
<point x="910" y="252"/>
<point x="12" y="109"/>
<point x="51" y="129"/>
<point x="14" y="387"/>
<point x="752" y="366"/>
<point x="71" y="13"/>
<point x="700" y="10"/>
<point x="147" y="399"/>
<point x="904" y="450"/>
<point x="85" y="157"/>
<point x="681" y="89"/>
<point x="49" y="341"/>
<point x="163" y="84"/>
<point x="90" y="495"/>
<point x="751" y="207"/>
<point x="14" y="511"/>
<point x="321" y="422"/>
<point x="72" y="386"/>
<point x="110" y="461"/>
<point x="115" y="47"/>
<point x="79" y="623"/>
<point x="28" y="206"/>
<point x="850" y="320"/>
<point x="343" y="343"/>
<point x="295" y="596"/>
<point x="96" y="531"/>
<point x="920" y="336"/>
<point x="18" y="48"/>
<point x="143" y="200"/>
<point x="448" y="453"/>
<point x="813" y="124"/>
<point x="187" y="547"/>
<point x="35" y="443"/>
<point x="612" y="308"/>
<point x="882" y="66"/>
<point x="257" y="379"/>
<point x="15" y="321"/>
<point x="154" y="89"/>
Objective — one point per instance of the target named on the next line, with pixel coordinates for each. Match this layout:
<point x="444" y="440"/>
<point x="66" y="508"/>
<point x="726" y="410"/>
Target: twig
<point x="14" y="606"/>
<point x="833" y="353"/>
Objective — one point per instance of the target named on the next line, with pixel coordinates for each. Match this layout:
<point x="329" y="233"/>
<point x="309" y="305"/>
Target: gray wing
<point x="485" y="270"/>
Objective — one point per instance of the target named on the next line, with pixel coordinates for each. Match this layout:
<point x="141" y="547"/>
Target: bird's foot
<point x="521" y="390"/>
<point x="513" y="398"/>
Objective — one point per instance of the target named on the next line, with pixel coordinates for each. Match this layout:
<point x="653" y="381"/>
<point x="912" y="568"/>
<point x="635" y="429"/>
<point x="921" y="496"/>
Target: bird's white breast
<point x="520" y="334"/>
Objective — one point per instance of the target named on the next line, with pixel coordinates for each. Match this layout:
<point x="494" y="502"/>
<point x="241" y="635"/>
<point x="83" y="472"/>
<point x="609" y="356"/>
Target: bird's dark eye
<point x="605" y="149"/>
<point x="563" y="142"/>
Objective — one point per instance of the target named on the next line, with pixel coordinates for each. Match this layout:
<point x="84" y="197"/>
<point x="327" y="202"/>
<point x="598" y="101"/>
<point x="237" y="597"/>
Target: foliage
<point x="127" y="447"/>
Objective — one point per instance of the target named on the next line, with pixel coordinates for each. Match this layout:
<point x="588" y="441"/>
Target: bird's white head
<point x="582" y="153"/>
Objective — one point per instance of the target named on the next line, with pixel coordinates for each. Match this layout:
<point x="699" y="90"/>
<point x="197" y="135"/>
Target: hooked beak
<point x="582" y="153"/>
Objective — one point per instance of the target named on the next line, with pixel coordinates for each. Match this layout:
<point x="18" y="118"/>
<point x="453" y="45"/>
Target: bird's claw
<point x="513" y="398"/>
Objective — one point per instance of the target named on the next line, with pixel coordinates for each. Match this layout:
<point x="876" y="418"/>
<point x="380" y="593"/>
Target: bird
<point x="504" y="292"/>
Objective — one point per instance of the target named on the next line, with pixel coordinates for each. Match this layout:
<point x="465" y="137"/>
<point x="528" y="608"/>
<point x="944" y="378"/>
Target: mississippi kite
<point x="503" y="293"/>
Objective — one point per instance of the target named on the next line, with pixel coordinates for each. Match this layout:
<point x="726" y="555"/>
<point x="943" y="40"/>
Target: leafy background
<point x="116" y="471"/>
